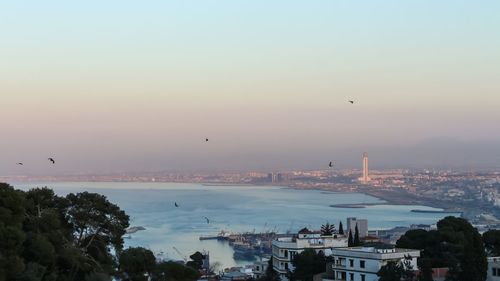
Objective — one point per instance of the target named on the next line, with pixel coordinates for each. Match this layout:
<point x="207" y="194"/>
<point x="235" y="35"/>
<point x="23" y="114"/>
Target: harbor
<point x="247" y="246"/>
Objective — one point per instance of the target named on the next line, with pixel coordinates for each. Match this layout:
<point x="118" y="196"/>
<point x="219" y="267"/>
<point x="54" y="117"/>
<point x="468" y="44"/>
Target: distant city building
<point x="363" y="263"/>
<point x="286" y="247"/>
<point x="362" y="226"/>
<point x="365" y="178"/>
<point x="277" y="177"/>
<point x="425" y="227"/>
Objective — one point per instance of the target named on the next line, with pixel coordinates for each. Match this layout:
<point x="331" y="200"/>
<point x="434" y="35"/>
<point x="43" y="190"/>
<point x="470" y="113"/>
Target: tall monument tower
<point x="365" y="177"/>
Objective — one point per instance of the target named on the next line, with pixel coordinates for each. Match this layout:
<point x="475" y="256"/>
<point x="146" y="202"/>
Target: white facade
<point x="259" y="268"/>
<point x="363" y="263"/>
<point x="285" y="248"/>
<point x="493" y="269"/>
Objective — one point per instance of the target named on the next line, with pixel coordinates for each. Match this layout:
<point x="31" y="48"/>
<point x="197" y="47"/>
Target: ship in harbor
<point x="248" y="245"/>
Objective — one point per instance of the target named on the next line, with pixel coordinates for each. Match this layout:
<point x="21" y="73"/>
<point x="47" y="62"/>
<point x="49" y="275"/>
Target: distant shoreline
<point x="356" y="206"/>
<point x="227" y="184"/>
<point x="388" y="197"/>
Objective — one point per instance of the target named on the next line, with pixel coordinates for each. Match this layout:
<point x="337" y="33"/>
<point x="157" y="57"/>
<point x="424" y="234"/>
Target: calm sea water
<point x="231" y="208"/>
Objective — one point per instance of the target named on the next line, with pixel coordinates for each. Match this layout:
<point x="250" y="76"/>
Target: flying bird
<point x="331" y="164"/>
<point x="351" y="101"/>
<point x="52" y="160"/>
<point x="20" y="163"/>
<point x="175" y="203"/>
<point x="206" y="139"/>
<point x="208" y="221"/>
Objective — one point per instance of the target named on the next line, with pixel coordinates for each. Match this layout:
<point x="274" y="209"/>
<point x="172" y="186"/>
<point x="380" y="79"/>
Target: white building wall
<point x="285" y="248"/>
<point x="351" y="266"/>
<point x="493" y="269"/>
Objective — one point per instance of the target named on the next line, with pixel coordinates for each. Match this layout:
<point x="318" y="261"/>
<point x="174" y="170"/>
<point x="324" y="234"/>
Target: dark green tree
<point x="350" y="240"/>
<point x="341" y="228"/>
<point x="356" y="241"/>
<point x="95" y="276"/>
<point x="137" y="264"/>
<point x="465" y="244"/>
<point x="307" y="264"/>
<point x="92" y="215"/>
<point x="196" y="261"/>
<point x="327" y="229"/>
<point x="455" y="244"/>
<point x="12" y="235"/>
<point x="429" y="242"/>
<point x="392" y="271"/>
<point x="425" y="270"/>
<point x="171" y="271"/>
<point x="97" y="227"/>
<point x="491" y="240"/>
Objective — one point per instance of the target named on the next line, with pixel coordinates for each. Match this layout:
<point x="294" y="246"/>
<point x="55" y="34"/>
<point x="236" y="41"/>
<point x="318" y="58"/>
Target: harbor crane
<point x="184" y="257"/>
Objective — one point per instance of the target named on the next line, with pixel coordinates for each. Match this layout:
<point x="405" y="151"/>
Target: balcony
<point x="339" y="265"/>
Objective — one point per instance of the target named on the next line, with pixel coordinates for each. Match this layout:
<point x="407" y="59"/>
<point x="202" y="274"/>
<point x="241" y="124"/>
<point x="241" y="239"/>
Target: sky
<point x="116" y="86"/>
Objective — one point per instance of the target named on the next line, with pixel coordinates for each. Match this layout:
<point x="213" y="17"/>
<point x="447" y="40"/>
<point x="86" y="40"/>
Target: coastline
<point x="389" y="197"/>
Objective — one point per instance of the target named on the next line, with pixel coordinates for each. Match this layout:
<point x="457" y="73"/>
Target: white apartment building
<point x="493" y="269"/>
<point x="285" y="248"/>
<point x="260" y="268"/>
<point x="363" y="263"/>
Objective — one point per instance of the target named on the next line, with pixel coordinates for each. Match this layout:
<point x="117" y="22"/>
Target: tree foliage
<point x="196" y="261"/>
<point x="356" y="241"/>
<point x="397" y="271"/>
<point x="137" y="264"/>
<point x="307" y="264"/>
<point x="350" y="240"/>
<point x="327" y="229"/>
<point x="491" y="240"/>
<point x="341" y="228"/>
<point x="455" y="244"/>
<point x="171" y="271"/>
<point x="392" y="271"/>
<point x="45" y="237"/>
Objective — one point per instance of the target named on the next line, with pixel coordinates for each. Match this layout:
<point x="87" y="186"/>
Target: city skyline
<point x="138" y="87"/>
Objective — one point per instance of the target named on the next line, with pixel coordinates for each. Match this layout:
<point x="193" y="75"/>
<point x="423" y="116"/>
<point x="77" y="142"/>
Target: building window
<point x="286" y="265"/>
<point x="351" y="276"/>
<point x="494" y="271"/>
<point x="362" y="277"/>
<point x="351" y="263"/>
<point x="362" y="264"/>
<point x="286" y="253"/>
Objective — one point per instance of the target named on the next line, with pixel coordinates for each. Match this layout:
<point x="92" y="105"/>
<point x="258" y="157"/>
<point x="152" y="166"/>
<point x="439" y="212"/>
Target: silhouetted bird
<point x="331" y="164"/>
<point x="206" y="139"/>
<point x="20" y="163"/>
<point x="52" y="160"/>
<point x="208" y="221"/>
<point x="351" y="101"/>
<point x="175" y="203"/>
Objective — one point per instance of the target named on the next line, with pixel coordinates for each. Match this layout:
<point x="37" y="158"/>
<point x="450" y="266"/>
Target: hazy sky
<point x="108" y="86"/>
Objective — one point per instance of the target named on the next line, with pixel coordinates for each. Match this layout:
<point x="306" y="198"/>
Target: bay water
<point x="232" y="209"/>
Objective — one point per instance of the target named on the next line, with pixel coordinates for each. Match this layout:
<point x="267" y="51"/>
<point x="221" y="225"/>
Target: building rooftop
<point x="305" y="231"/>
<point x="377" y="249"/>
